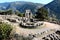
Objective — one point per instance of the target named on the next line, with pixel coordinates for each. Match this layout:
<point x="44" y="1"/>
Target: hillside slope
<point x="20" y="6"/>
<point x="54" y="7"/>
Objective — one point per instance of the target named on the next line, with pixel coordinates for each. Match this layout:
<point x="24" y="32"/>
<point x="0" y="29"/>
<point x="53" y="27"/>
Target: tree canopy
<point x="42" y="13"/>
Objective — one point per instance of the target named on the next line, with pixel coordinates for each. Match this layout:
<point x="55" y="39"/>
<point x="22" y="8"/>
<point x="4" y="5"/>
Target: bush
<point x="21" y="15"/>
<point x="5" y="30"/>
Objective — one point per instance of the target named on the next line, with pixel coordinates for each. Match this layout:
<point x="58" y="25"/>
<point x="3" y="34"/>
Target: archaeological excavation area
<point x="28" y="28"/>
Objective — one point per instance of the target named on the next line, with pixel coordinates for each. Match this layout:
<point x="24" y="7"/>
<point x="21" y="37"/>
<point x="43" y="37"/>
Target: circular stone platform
<point x="31" y="24"/>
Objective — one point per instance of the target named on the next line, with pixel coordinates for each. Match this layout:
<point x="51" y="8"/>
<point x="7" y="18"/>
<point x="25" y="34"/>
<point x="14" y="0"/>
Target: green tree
<point x="19" y="14"/>
<point x="9" y="12"/>
<point x="5" y="31"/>
<point x="42" y="13"/>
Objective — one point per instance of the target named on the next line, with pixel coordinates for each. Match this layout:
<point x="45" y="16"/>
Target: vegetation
<point x="5" y="31"/>
<point x="10" y="12"/>
<point x="6" y="12"/>
<point x="53" y="19"/>
<point x="42" y="14"/>
<point x="19" y="14"/>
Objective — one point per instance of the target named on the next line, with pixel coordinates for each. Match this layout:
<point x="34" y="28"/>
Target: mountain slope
<point x="20" y="6"/>
<point x="54" y="7"/>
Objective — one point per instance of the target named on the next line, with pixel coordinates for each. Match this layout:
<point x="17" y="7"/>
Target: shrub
<point x="5" y="30"/>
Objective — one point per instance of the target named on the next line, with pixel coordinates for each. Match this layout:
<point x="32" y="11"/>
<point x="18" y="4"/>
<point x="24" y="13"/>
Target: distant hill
<point x="20" y="6"/>
<point x="54" y="8"/>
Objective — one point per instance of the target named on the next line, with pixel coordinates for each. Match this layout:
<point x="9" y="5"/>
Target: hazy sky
<point x="35" y="1"/>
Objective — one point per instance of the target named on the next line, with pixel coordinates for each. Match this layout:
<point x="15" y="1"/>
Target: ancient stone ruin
<point x="28" y="21"/>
